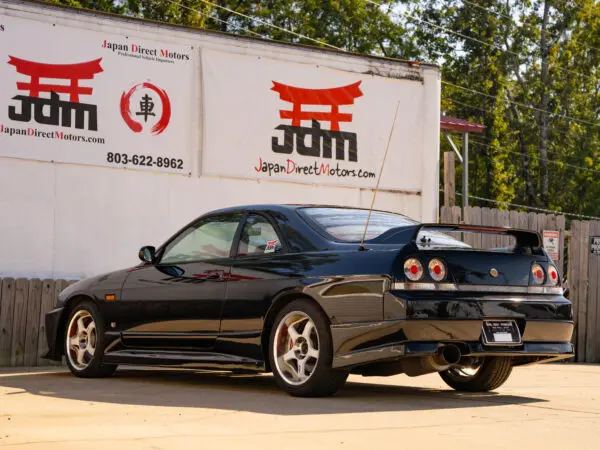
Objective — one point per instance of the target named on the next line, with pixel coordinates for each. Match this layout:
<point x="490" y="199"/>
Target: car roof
<point x="287" y="207"/>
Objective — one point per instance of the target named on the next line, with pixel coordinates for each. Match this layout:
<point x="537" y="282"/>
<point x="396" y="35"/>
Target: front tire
<point x="488" y="375"/>
<point x="84" y="343"/>
<point x="301" y="352"/>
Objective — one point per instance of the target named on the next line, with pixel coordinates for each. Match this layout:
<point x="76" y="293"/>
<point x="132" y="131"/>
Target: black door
<point x="177" y="302"/>
<point x="258" y="271"/>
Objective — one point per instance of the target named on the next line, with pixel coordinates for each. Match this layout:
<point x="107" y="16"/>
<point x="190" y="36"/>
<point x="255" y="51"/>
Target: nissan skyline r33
<point x="303" y="292"/>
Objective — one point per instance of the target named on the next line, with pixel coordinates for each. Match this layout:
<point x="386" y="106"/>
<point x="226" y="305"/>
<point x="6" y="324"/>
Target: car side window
<point x="208" y="239"/>
<point x="258" y="237"/>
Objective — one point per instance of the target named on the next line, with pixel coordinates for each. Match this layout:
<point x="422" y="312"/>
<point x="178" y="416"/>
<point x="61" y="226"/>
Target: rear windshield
<point x="348" y="225"/>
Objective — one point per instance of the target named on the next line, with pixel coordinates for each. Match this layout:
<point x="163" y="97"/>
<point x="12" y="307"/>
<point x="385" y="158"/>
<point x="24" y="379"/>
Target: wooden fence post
<point x="449" y="180"/>
<point x="581" y="274"/>
<point x="32" y="330"/>
<point x="573" y="276"/>
<point x="7" y="310"/>
<point x="592" y="351"/>
<point x="19" y="323"/>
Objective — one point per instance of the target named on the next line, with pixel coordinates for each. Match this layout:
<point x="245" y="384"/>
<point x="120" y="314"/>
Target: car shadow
<point x="250" y="393"/>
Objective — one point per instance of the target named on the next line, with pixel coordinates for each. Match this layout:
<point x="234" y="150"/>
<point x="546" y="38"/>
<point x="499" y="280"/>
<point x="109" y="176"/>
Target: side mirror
<point x="146" y="254"/>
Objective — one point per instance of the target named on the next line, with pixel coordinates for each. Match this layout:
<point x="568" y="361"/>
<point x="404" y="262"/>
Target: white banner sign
<point x="77" y="96"/>
<point x="270" y="119"/>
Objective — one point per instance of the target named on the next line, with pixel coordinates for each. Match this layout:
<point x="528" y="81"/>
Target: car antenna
<point x="362" y="241"/>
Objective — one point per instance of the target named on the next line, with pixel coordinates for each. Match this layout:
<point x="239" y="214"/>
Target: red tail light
<point x="413" y="269"/>
<point x="553" y="275"/>
<point x="538" y="274"/>
<point x="437" y="269"/>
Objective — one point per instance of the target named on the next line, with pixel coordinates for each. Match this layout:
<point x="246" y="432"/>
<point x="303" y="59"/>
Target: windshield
<point x="348" y="225"/>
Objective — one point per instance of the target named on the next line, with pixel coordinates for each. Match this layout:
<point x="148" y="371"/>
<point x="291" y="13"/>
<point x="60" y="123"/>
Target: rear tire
<point x="301" y="352"/>
<point x="491" y="374"/>
<point x="84" y="342"/>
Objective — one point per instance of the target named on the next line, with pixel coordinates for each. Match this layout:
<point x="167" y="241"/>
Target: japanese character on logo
<point x="147" y="103"/>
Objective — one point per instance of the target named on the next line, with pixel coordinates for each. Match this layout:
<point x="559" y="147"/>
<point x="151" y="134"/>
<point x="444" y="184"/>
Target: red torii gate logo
<point x="60" y="111"/>
<point x="321" y="139"/>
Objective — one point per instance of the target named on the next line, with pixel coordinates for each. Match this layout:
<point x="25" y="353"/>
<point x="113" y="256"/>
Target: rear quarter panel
<point x="348" y="285"/>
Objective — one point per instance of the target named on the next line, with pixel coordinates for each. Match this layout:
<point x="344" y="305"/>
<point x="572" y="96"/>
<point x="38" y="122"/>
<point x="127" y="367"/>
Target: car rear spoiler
<point x="524" y="238"/>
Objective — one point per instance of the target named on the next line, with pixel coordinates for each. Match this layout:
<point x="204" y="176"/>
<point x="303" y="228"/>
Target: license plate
<point x="500" y="332"/>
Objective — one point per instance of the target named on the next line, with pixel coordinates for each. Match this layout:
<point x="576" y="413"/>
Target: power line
<point x="523" y="105"/>
<point x="469" y="106"/>
<point x="567" y="134"/>
<point x="560" y="163"/>
<point x="448" y="30"/>
<point x="202" y="13"/>
<point x="532" y="208"/>
<point x="498" y="13"/>
<point x="555" y="152"/>
<point x="477" y="142"/>
<point x="483" y="144"/>
<point x="254" y="19"/>
<point x="490" y="110"/>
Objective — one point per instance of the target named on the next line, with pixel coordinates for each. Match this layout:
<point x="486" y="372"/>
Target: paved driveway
<point x="551" y="406"/>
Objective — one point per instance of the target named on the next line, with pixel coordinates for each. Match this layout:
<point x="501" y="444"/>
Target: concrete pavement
<point x="545" y="406"/>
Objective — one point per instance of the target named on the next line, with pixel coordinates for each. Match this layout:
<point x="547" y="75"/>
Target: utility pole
<point x="465" y="162"/>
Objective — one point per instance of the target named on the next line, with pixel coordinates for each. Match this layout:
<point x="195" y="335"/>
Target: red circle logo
<point x="146" y="111"/>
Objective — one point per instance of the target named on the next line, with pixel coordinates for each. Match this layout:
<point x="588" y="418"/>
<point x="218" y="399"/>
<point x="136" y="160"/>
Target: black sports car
<point x="301" y="291"/>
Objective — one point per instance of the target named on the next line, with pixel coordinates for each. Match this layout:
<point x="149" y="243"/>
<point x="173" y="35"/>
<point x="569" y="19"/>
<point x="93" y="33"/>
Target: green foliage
<point x="541" y="53"/>
<point x="509" y="161"/>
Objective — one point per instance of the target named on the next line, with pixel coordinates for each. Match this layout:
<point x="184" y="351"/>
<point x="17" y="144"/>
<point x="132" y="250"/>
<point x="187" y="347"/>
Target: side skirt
<point x="201" y="360"/>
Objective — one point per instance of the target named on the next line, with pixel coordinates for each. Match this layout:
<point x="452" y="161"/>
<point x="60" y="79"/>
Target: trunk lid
<point x="476" y="255"/>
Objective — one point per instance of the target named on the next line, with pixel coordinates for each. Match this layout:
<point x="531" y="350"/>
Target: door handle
<point x="216" y="275"/>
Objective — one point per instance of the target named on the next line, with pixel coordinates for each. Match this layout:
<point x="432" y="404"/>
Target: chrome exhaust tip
<point x="447" y="356"/>
<point x="451" y="354"/>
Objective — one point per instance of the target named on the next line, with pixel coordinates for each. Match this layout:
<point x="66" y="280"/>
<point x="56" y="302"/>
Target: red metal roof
<point x="464" y="126"/>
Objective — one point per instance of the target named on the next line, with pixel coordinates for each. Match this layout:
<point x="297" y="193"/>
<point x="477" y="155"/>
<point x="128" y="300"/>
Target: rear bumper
<point x="420" y="323"/>
<point x="52" y="321"/>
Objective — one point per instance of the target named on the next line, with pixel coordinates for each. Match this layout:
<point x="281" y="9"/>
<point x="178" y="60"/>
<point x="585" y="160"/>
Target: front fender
<point x="53" y="323"/>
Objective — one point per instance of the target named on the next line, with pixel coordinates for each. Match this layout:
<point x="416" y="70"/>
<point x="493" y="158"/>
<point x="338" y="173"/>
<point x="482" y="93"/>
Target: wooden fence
<point x="23" y="304"/>
<point x="584" y="284"/>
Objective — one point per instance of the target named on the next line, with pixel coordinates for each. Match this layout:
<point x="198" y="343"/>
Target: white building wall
<point x="70" y="221"/>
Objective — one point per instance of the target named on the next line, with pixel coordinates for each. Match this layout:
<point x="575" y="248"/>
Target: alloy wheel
<point x="81" y="340"/>
<point x="296" y="351"/>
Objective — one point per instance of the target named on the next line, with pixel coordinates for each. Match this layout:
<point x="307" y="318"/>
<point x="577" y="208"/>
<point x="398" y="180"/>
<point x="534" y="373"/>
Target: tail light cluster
<point x="540" y="276"/>
<point x="437" y="271"/>
<point x="413" y="269"/>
